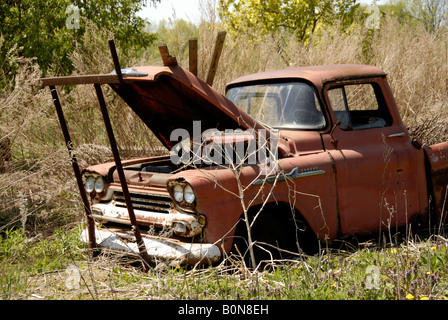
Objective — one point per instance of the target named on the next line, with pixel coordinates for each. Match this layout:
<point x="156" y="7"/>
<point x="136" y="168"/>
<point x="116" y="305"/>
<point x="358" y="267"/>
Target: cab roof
<point x="318" y="75"/>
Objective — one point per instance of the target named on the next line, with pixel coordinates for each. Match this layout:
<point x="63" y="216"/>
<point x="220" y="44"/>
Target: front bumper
<point x="171" y="251"/>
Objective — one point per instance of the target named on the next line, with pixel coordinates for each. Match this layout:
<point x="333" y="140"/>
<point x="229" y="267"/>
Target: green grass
<point x="38" y="193"/>
<point x="22" y="258"/>
<point x="60" y="268"/>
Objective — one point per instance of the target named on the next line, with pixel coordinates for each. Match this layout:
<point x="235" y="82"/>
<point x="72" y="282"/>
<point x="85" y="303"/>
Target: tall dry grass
<point x="38" y="188"/>
<point x="417" y="64"/>
<point x="415" y="60"/>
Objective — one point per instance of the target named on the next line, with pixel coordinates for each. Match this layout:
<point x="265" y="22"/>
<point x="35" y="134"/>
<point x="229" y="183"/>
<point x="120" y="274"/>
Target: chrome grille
<point x="142" y="201"/>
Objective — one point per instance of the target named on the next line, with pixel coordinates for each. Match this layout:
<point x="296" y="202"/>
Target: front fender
<point x="222" y="197"/>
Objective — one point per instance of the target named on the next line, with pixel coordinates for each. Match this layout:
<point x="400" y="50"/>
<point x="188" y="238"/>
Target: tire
<point x="273" y="232"/>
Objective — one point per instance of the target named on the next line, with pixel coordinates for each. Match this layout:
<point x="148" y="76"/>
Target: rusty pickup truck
<point x="341" y="163"/>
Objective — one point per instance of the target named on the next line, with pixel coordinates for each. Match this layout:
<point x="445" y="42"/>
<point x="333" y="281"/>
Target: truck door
<point x="378" y="171"/>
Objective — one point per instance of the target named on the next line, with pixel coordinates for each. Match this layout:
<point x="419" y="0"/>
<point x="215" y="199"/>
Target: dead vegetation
<point x="415" y="60"/>
<point x="37" y="187"/>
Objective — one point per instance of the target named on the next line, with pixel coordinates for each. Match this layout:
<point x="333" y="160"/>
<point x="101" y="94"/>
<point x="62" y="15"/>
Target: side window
<point x="359" y="106"/>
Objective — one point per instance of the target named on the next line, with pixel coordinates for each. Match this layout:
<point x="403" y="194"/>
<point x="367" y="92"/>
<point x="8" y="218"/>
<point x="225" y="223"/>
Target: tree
<point x="48" y="30"/>
<point x="300" y="17"/>
<point x="432" y="13"/>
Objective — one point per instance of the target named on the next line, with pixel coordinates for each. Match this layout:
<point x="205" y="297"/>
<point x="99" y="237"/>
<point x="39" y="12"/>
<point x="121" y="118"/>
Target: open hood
<point x="169" y="98"/>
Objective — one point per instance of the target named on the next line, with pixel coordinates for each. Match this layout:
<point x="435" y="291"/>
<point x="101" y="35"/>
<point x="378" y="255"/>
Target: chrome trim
<point x="395" y="135"/>
<point x="145" y="201"/>
<point x="294" y="174"/>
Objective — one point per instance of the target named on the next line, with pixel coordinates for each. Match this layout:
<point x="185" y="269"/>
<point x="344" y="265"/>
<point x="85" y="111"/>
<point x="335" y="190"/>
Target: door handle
<point x="401" y="134"/>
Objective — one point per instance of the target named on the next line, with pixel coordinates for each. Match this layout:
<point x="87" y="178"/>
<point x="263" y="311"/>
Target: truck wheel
<point x="273" y="232"/>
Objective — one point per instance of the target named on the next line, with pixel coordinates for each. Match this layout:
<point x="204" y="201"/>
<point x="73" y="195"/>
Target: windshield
<point x="280" y="105"/>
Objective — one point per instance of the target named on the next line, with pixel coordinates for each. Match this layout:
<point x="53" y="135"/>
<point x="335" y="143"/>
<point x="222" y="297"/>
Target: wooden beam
<point x="91" y="78"/>
<point x="168" y="61"/>
<point x="83" y="79"/>
<point x="219" y="43"/>
<point x="193" y="56"/>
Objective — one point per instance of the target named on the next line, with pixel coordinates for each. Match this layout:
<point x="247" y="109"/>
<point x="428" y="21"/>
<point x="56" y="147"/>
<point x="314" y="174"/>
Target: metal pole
<point x="68" y="141"/>
<point x="120" y="171"/>
<point x="113" y="52"/>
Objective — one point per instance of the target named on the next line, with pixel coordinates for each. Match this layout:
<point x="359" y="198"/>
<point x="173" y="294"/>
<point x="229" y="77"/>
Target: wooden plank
<point x="219" y="44"/>
<point x="168" y="61"/>
<point x="83" y="79"/>
<point x="193" y="56"/>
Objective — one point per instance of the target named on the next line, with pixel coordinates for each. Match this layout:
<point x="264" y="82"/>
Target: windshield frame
<point x="286" y="81"/>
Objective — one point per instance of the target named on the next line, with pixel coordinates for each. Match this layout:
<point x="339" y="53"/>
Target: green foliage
<point x="175" y="34"/>
<point x="46" y="29"/>
<point x="22" y="258"/>
<point x="301" y="18"/>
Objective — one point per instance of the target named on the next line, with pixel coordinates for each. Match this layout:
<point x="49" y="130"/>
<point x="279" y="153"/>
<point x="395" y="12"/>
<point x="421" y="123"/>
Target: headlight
<point x="189" y="194"/>
<point x="90" y="184"/>
<point x="99" y="185"/>
<point x="183" y="194"/>
<point x="96" y="186"/>
<point x="178" y="193"/>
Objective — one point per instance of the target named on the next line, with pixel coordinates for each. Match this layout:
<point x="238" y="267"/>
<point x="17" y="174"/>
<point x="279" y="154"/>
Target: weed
<point x="40" y="208"/>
